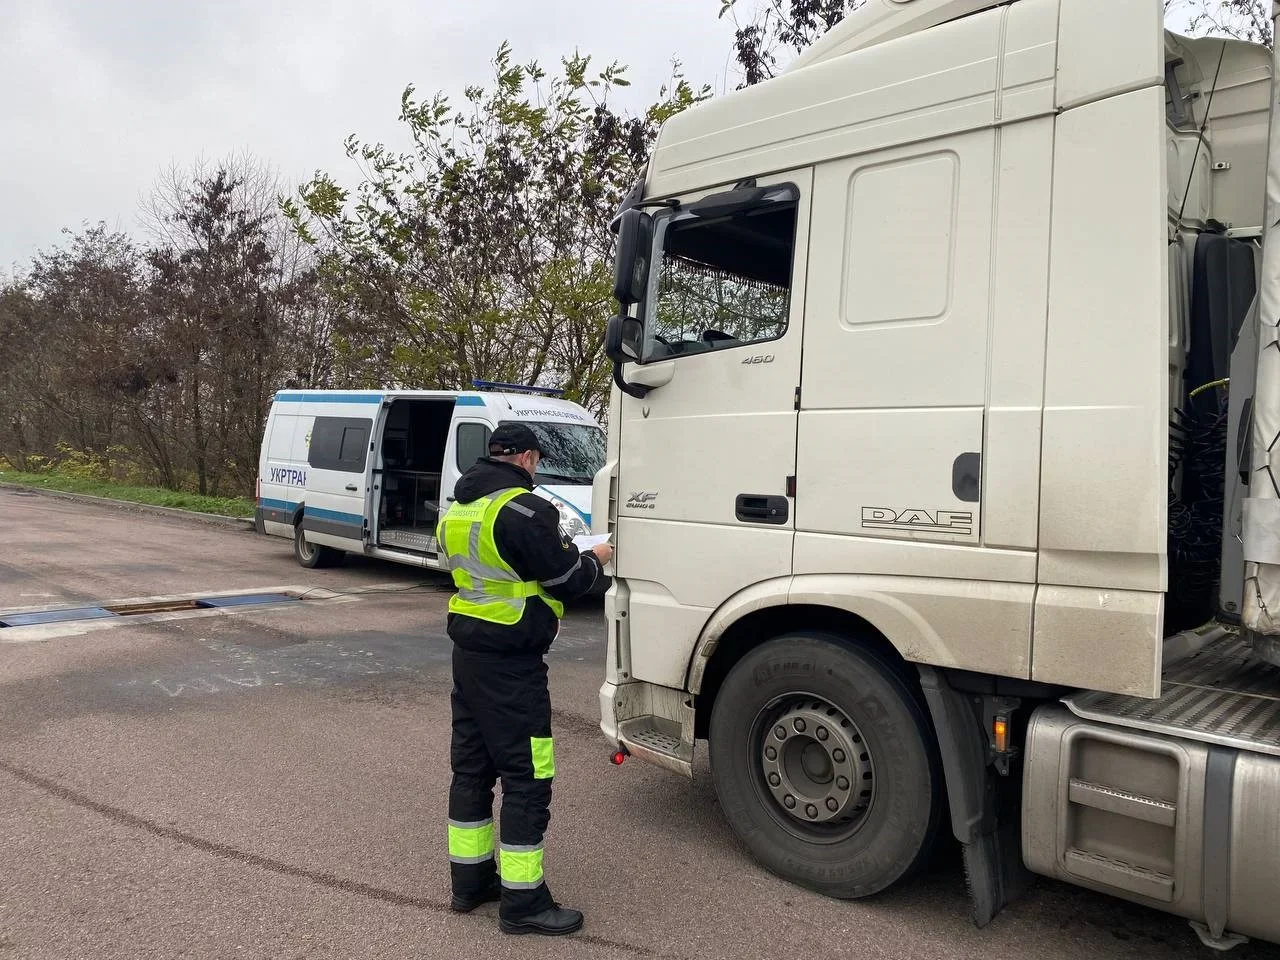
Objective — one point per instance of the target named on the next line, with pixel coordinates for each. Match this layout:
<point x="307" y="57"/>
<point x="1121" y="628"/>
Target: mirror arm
<point x="630" y="389"/>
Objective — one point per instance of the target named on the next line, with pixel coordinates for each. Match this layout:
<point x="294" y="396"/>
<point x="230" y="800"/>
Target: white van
<point x="369" y="471"/>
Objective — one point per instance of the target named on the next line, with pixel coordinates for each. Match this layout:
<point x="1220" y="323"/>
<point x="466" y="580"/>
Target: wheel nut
<point x="771" y="753"/>
<point x="811" y="811"/>
<point x="799" y="725"/>
<point x="838" y="756"/>
<point x="789" y="802"/>
<point x="832" y="805"/>
<point x="822" y="733"/>
<point x="842" y="783"/>
<point x="774" y="780"/>
<point x="780" y="732"/>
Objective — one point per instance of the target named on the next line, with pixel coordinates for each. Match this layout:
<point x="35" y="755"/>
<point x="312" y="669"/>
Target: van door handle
<point x="760" y="508"/>
<point x="352" y="487"/>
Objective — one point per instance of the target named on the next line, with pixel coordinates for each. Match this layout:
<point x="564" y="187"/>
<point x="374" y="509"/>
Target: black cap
<point x="511" y="438"/>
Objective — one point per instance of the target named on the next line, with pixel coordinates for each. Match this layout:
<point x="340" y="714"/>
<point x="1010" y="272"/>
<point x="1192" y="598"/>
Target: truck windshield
<point x="572" y="452"/>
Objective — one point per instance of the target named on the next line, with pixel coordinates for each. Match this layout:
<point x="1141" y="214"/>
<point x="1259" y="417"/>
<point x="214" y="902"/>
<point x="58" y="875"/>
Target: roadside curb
<point x="242" y="523"/>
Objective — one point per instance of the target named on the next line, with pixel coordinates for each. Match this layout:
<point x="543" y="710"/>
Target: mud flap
<point x="994" y="872"/>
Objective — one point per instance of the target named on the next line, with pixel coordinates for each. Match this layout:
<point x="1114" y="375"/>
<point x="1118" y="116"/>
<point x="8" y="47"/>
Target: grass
<point x="157" y="496"/>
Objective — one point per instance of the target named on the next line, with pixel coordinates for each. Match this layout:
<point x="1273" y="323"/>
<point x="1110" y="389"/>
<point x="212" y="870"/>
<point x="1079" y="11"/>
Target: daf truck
<point x="939" y="458"/>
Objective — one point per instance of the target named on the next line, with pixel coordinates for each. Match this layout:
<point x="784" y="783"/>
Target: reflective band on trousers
<point x="544" y="757"/>
<point x="471" y="842"/>
<point x="521" y="866"/>
<point x="488" y="589"/>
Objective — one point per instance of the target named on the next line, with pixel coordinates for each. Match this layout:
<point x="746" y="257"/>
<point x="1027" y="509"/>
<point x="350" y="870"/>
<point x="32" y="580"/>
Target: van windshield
<point x="572" y="452"/>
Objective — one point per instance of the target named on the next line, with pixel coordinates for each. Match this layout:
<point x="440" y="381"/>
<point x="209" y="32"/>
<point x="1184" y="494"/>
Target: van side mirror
<point x="631" y="266"/>
<point x="623" y="339"/>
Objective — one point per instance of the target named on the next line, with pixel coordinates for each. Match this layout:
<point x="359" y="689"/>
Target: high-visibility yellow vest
<point x="488" y="589"/>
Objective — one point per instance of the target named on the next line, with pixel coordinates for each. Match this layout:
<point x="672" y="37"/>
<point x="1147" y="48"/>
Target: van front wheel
<point x="313" y="555"/>
<point x="824" y="766"/>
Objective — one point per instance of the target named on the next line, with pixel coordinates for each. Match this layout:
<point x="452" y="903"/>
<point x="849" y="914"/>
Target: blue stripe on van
<point x="329" y="398"/>
<point x="335" y="515"/>
<point x="270" y="504"/>
<point x="470" y="401"/>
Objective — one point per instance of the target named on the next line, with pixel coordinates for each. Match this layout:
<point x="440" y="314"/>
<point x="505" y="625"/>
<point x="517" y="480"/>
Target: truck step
<point x="1218" y="694"/>
<point x="1120" y="874"/>
<point x="1102" y="797"/>
<point x="655" y="740"/>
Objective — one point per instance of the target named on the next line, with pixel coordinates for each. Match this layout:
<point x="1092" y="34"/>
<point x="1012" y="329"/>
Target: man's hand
<point x="603" y="552"/>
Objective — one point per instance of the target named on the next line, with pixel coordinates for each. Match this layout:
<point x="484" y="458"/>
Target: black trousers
<point x="501" y="728"/>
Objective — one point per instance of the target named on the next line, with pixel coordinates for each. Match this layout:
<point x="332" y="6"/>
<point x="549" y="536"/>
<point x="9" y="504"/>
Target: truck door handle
<point x="761" y="508"/>
<point x="352" y="487"/>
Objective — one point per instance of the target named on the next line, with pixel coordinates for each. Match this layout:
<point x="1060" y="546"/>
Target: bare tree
<point x="69" y="324"/>
<point x="1242" y="19"/>
<point x="777" y="30"/>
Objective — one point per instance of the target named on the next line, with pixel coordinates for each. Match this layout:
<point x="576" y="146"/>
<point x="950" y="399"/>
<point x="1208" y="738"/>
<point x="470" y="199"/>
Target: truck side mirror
<point x="631" y="267"/>
<point x="622" y="341"/>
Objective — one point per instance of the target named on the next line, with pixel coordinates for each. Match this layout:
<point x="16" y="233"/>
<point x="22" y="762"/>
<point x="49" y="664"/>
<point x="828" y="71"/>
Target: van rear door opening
<point x="407" y="483"/>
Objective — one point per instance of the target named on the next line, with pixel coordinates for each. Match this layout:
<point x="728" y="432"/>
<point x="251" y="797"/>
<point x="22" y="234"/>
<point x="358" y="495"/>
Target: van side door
<point x="338" y="456"/>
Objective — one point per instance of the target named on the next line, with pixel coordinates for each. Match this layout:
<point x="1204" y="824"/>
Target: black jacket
<point x="530" y="541"/>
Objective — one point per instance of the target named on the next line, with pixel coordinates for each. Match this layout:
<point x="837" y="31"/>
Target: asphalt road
<point x="271" y="783"/>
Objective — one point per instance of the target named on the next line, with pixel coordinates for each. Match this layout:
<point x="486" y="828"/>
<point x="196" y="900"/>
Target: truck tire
<point x="824" y="764"/>
<point x="313" y="555"/>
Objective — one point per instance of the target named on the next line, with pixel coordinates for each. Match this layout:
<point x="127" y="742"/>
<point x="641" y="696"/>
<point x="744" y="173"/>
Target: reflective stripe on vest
<point x="488" y="589"/>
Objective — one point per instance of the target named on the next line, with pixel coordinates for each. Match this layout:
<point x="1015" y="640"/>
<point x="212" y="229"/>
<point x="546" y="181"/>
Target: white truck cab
<point x="370" y="471"/>
<point x="939" y="457"/>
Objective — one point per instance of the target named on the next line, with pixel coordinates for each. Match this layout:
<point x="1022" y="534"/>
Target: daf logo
<point x="642" y="501"/>
<point x="958" y="522"/>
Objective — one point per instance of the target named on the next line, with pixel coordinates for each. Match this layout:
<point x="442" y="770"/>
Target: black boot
<point x="462" y="904"/>
<point x="554" y="922"/>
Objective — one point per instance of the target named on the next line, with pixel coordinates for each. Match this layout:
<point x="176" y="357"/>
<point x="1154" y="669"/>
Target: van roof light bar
<point x="517" y="388"/>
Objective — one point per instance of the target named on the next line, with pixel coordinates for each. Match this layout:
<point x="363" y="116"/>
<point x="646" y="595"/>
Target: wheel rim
<point x="305" y="550"/>
<point x="813" y="767"/>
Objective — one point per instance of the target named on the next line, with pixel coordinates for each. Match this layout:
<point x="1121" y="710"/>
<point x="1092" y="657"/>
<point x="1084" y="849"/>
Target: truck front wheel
<point x="824" y="765"/>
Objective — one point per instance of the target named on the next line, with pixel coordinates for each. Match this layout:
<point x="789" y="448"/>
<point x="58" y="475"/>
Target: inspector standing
<point x="513" y="570"/>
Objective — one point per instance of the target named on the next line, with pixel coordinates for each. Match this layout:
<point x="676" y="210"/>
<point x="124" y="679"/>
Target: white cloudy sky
<point x="100" y="95"/>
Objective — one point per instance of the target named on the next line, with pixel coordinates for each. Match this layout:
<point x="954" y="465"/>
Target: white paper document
<point x="586" y="541"/>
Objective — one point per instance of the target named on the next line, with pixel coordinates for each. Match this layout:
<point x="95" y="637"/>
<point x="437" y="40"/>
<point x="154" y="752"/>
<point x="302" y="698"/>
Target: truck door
<point x="896" y="351"/>
<point x="706" y="456"/>
<point x="338" y="481"/>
